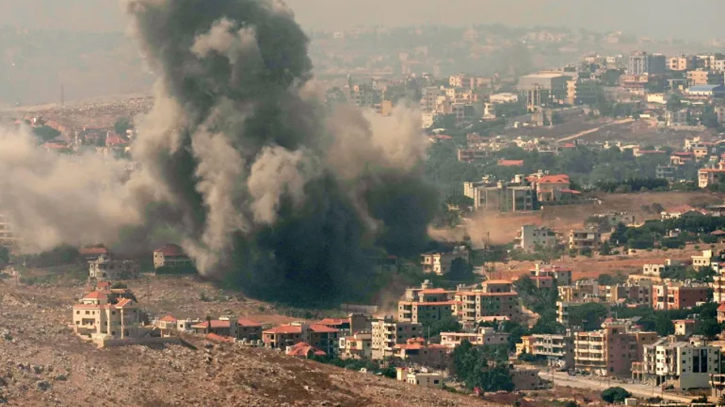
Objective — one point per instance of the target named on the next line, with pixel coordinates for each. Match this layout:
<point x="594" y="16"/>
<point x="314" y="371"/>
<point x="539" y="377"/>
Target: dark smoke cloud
<point x="270" y="193"/>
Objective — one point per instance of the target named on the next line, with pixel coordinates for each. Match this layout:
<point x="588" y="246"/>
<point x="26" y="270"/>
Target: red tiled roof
<point x="284" y="329"/>
<point x="245" y="322"/>
<point x="124" y="302"/>
<point x="92" y="250"/>
<point x="721" y="308"/>
<point x="433" y="291"/>
<point x="555" y="179"/>
<point x="116" y="140"/>
<point x="171" y="250"/>
<point x="430" y="303"/>
<point x="322" y="329"/>
<point x="683" y="154"/>
<point x="96" y="294"/>
<point x="681" y="209"/>
<point x="333" y="321"/>
<point x="168" y="318"/>
<point x="496" y="282"/>
<point x="685" y="321"/>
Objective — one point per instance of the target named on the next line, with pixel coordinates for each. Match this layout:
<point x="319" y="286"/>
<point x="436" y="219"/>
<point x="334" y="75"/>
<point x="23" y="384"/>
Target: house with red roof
<point x="107" y="314"/>
<point x="551" y="188"/>
<point x="90" y="253"/>
<point x="416" y="351"/>
<point x="304" y="350"/>
<point x="721" y="313"/>
<point x="171" y="255"/>
<point x="320" y="336"/>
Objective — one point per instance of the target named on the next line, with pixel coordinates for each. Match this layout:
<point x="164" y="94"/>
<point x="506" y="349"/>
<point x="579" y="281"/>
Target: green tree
<point x="122" y="125"/>
<point x="616" y="395"/>
<point x="45" y="133"/>
<point x="709" y="328"/>
<point x="461" y="270"/>
<point x="4" y="255"/>
<point x="588" y="316"/>
<point x="444" y="325"/>
<point x="674" y="102"/>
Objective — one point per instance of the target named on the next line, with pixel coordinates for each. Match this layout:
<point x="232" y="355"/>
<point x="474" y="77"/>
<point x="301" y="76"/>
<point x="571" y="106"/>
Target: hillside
<point x="44" y="364"/>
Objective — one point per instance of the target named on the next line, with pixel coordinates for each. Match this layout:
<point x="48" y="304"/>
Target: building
<point x="561" y="275"/>
<point x="550" y="188"/>
<point x="527" y="379"/>
<point x="611" y="350"/>
<point x="672" y="296"/>
<point x="484" y="336"/>
<point x="425" y="312"/>
<point x="681" y="63"/>
<point x="386" y="333"/>
<point x="702" y="261"/>
<point x="685" y="327"/>
<point x="172" y="256"/>
<point x="303" y="350"/>
<point x="319" y="336"/>
<point x="249" y="330"/>
<point x="584" y="239"/>
<point x="641" y="63"/>
<point x="701" y="77"/>
<point x="628" y="293"/>
<point x="104" y="268"/>
<point x="558" y="349"/>
<point x="501" y="197"/>
<point x="420" y="378"/>
<point x="705" y="91"/>
<point x="416" y="351"/>
<point x="709" y="176"/>
<point x="495" y="298"/>
<point x="107" y="314"/>
<point x="357" y="346"/>
<point x="686" y="365"/>
<point x="666" y="172"/>
<point x="504" y="98"/>
<point x="440" y="262"/>
<point x="531" y="238"/>
<point x="543" y="90"/>
<point x="355" y="322"/>
<point x="579" y="291"/>
<point x="7" y="237"/>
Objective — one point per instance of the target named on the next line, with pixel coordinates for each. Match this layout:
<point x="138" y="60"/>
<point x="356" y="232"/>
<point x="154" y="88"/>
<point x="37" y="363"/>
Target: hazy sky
<point x="692" y="19"/>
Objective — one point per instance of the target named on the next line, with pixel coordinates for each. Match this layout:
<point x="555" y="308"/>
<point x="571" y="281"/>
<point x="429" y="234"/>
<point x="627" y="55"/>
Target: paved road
<point x="594" y="130"/>
<point x="587" y="382"/>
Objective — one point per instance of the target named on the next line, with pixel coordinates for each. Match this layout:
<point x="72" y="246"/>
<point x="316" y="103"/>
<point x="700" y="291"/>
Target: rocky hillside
<point x="43" y="364"/>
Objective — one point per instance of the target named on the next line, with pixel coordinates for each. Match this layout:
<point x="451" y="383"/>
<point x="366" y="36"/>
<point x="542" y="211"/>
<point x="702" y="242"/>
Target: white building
<point x="104" y="268"/>
<point x="420" y="378"/>
<point x="530" y="237"/>
<point x="504" y="98"/>
<point x="688" y="365"/>
<point x="702" y="261"/>
<point x="484" y="336"/>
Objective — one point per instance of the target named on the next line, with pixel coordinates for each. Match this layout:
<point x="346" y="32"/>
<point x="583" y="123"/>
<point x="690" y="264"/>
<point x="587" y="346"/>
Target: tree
<point x="619" y="236"/>
<point x="45" y="133"/>
<point x="444" y="325"/>
<point x="589" y="316"/>
<point x="674" y="103"/>
<point x="614" y="395"/>
<point x="460" y="270"/>
<point x="4" y="255"/>
<point x="605" y="249"/>
<point x="708" y="328"/>
<point x="122" y="125"/>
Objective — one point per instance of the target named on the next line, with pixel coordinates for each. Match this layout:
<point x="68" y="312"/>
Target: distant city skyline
<point x="697" y="20"/>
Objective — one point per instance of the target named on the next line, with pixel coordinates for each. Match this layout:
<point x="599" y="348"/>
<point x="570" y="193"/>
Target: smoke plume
<point x="272" y="193"/>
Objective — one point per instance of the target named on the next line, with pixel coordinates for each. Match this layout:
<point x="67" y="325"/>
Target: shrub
<point x="614" y="395"/>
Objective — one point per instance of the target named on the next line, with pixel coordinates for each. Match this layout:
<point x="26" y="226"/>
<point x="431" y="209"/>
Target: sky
<point x="691" y="19"/>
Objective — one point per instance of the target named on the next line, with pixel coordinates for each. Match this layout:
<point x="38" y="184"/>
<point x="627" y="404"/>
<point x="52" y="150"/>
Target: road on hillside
<point x="594" y="130"/>
<point x="601" y="383"/>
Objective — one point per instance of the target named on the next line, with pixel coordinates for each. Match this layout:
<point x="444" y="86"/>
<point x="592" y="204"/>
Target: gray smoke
<point x="271" y="193"/>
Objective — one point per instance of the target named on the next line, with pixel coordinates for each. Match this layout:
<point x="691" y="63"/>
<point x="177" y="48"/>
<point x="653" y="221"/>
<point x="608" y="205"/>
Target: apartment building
<point x="702" y="261"/>
<point x="674" y="295"/>
<point x="495" y="298"/>
<point x="171" y="255"/>
<point x="319" y="336"/>
<point x="681" y="63"/>
<point x="558" y="349"/>
<point x="562" y="275"/>
<point x="685" y="327"/>
<point x="709" y="176"/>
<point x="702" y="77"/>
<point x="484" y="336"/>
<point x="581" y="239"/>
<point x="357" y="346"/>
<point x="684" y="364"/>
<point x="500" y="196"/>
<point x="104" y="268"/>
<point x="718" y="286"/>
<point x="440" y="262"/>
<point x="105" y="313"/>
<point x="611" y="350"/>
<point x="7" y="237"/>
<point x="629" y="294"/>
<point x="579" y="291"/>
<point x="531" y="237"/>
<point x="386" y="333"/>
<point x="416" y="351"/>
<point x="425" y="312"/>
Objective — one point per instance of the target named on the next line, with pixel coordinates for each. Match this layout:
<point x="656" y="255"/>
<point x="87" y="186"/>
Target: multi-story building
<point x="611" y="350"/>
<point x="495" y="298"/>
<point x="579" y="291"/>
<point x="417" y="352"/>
<point x="171" y="255"/>
<point x="562" y="275"/>
<point x="319" y="336"/>
<point x="681" y="63"/>
<point x="440" y="262"/>
<point x="501" y="197"/>
<point x="629" y="294"/>
<point x="584" y="239"/>
<point x="532" y="237"/>
<point x="702" y="77"/>
<point x="666" y="172"/>
<point x="551" y="188"/>
<point x="104" y="268"/>
<point x="718" y="286"/>
<point x="674" y="295"/>
<point x="105" y="313"/>
<point x="685" y="327"/>
<point x="709" y="176"/>
<point x="357" y="346"/>
<point x="687" y="365"/>
<point x="558" y="349"/>
<point x="387" y="333"/>
<point x="703" y="261"/>
<point x="7" y="237"/>
<point x="484" y="336"/>
<point x="641" y="63"/>
<point x="543" y="89"/>
<point x="425" y="312"/>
